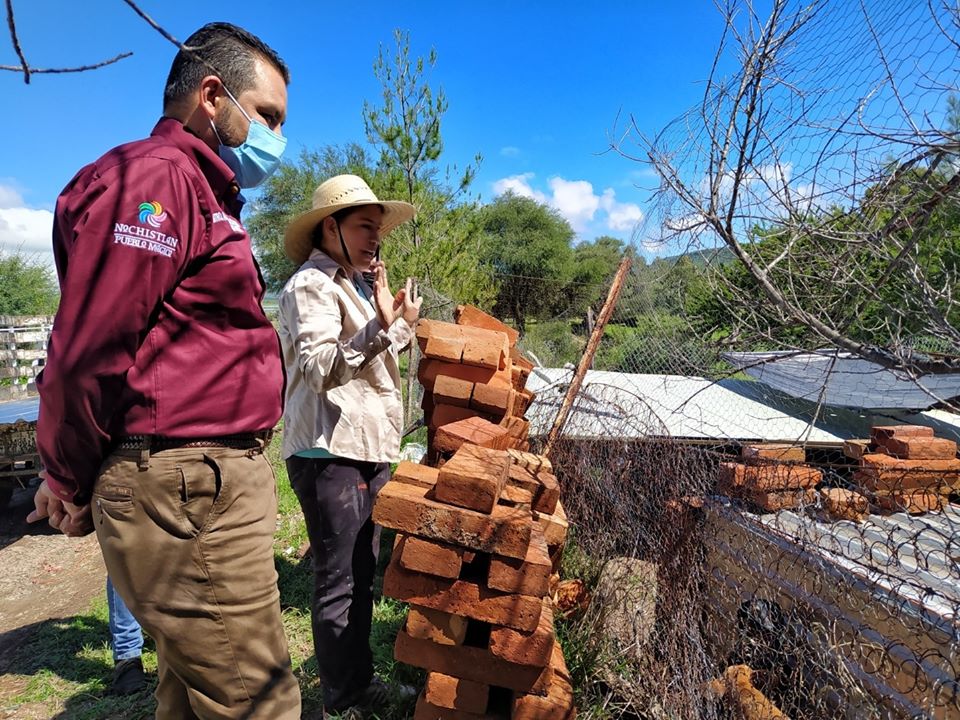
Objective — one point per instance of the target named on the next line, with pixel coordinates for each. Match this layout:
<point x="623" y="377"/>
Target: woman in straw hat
<point x="342" y="422"/>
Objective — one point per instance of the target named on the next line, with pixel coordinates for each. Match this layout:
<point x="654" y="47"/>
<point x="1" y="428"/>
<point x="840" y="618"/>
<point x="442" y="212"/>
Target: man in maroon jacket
<point x="164" y="380"/>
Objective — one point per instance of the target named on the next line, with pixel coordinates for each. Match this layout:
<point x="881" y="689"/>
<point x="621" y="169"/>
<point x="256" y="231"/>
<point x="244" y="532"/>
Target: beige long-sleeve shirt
<point x="343" y="376"/>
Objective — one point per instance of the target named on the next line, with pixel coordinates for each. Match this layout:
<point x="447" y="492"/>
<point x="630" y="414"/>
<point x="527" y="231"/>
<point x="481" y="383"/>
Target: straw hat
<point x="337" y="193"/>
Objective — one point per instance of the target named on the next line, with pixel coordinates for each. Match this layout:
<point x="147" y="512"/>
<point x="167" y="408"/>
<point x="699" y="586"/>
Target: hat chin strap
<point x="343" y="245"/>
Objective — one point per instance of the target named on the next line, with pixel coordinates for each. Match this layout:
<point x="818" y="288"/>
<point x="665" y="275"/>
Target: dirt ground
<point x="44" y="575"/>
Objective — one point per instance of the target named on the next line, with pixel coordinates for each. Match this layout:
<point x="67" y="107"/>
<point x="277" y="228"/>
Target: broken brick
<point x="407" y="508"/>
<point x="436" y="626"/>
<point x="527" y="576"/>
<point x="526" y="648"/>
<point x="554" y="526"/>
<point x="516" y="497"/>
<point x="473" y="478"/>
<point x="781" y="499"/>
<point x="844" y="504"/>
<point x="452" y="391"/>
<point x="522" y="402"/>
<point x="911" y="502"/>
<point x="461" y="597"/>
<point x="531" y="462"/>
<point x="731" y="476"/>
<point x="475" y="430"/>
<point x="475" y="317"/>
<point x="856" y="449"/>
<point x="429" y="556"/>
<point x="773" y="452"/>
<point x="453" y="693"/>
<point x="413" y="473"/>
<point x="880" y="433"/>
<point x="548" y="495"/>
<point x="921" y="448"/>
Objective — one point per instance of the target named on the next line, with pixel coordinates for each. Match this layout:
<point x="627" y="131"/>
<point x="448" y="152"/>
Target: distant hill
<point x="700" y="258"/>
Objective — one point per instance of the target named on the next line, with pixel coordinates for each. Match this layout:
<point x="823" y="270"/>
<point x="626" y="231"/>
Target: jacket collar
<point x="222" y="179"/>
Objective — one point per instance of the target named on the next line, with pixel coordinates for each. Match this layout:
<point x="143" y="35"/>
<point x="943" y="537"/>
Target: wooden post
<point x="587" y="360"/>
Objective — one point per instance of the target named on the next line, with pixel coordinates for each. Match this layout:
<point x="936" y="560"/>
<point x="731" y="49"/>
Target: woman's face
<point x="361" y="235"/>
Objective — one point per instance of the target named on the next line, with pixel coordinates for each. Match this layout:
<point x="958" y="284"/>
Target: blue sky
<point x="535" y="87"/>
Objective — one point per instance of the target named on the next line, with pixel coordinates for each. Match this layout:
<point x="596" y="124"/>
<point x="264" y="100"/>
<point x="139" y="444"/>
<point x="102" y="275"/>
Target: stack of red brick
<point x="472" y="369"/>
<point x="477" y="538"/>
<point x="905" y="468"/>
<point x="770" y="476"/>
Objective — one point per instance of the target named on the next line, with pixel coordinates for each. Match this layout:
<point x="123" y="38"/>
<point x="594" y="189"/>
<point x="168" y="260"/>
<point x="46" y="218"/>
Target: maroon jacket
<point x="160" y="329"/>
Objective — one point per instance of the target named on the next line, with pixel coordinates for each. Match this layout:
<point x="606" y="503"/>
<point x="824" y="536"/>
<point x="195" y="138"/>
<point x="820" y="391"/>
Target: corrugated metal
<point x="626" y="405"/>
<point x="844" y="380"/>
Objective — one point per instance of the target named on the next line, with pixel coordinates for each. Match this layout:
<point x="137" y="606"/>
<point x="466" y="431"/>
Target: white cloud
<point x="24" y="229"/>
<point x="576" y="201"/>
<point x="510" y="151"/>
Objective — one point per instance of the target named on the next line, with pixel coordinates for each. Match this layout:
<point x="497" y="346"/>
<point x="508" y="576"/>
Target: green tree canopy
<point x="27" y="286"/>
<point x="528" y="246"/>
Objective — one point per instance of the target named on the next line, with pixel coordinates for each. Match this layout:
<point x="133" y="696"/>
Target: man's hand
<point x="72" y="520"/>
<point x="389" y="307"/>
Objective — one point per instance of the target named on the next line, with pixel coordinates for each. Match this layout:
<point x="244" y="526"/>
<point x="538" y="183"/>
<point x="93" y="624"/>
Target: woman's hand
<point x="406" y="303"/>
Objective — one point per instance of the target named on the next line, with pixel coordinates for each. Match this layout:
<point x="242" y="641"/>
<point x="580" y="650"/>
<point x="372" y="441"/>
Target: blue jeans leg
<point x="126" y="637"/>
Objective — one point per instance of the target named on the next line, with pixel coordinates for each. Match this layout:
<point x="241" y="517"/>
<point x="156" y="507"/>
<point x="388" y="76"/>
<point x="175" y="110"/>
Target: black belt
<point x="155" y="443"/>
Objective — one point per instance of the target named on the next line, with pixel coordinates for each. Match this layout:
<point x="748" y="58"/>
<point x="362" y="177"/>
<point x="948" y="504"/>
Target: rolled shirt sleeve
<point x="122" y="239"/>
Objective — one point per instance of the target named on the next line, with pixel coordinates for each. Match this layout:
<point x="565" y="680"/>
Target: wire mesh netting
<point x="752" y="543"/>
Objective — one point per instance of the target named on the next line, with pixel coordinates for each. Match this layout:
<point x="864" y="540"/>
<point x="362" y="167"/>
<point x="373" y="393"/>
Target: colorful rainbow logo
<point x="152" y="212"/>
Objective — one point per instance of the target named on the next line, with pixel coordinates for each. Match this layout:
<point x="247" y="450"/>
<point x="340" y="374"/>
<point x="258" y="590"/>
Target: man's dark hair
<point x="220" y="49"/>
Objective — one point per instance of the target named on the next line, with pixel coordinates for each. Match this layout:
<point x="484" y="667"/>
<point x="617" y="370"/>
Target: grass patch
<point x="66" y="666"/>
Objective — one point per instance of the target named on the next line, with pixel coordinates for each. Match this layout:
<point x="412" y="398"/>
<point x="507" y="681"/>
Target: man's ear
<point x="210" y="95"/>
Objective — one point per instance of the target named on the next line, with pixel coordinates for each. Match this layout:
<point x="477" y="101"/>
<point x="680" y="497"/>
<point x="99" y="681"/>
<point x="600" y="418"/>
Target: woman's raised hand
<point x="406" y="303"/>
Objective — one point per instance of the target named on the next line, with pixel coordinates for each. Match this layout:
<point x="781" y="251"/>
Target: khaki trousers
<point x="187" y="538"/>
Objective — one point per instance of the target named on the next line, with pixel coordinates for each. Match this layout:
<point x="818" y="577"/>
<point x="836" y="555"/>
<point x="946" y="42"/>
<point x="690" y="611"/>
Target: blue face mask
<point x="256" y="159"/>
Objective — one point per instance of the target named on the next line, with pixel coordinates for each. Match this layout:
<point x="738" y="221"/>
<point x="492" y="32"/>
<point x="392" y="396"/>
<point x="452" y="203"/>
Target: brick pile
<point x="771" y="477"/>
<point x="905" y="468"/>
<point x="478" y="536"/>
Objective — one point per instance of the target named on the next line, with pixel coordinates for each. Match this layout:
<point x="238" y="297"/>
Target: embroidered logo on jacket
<point x="152" y="213"/>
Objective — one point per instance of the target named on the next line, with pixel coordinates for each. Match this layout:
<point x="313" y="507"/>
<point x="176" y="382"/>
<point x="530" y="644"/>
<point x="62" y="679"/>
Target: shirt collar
<point x="328" y="265"/>
<point x="222" y="179"/>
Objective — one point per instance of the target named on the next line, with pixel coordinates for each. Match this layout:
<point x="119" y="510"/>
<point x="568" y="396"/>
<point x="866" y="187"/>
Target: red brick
<point x="844" y="504"/>
<point x="879" y="433"/>
<point x="531" y="462"/>
<point x="475" y="430"/>
<point x="914" y="503"/>
<point x="460" y="597"/>
<point x="554" y="526"/>
<point x="475" y="317"/>
<point x="471" y="663"/>
<point x="429" y="556"/>
<point x="522" y="402"/>
<point x="856" y="449"/>
<point x="775" y="452"/>
<point x="448" y="414"/>
<point x="529" y="576"/>
<point x="453" y="693"/>
<point x="473" y="478"/>
<point x="436" y="626"/>
<point x="520" y="477"/>
<point x="884" y="473"/>
<point x="413" y="473"/>
<point x="493" y="399"/>
<point x="526" y="648"/>
<point x="731" y="476"/>
<point x="921" y="448"/>
<point x="452" y="391"/>
<point x="558" y="704"/>
<point x="489" y="350"/>
<point x="760" y="478"/>
<point x="781" y="499"/>
<point x="428" y="370"/>
<point x="516" y="497"/>
<point x="546" y="499"/>
<point x="445" y="348"/>
<point x="408" y="509"/>
<point x="516" y="426"/>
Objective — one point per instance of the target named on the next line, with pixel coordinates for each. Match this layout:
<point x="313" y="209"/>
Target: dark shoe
<point x="128" y="677"/>
<point x="376" y="697"/>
